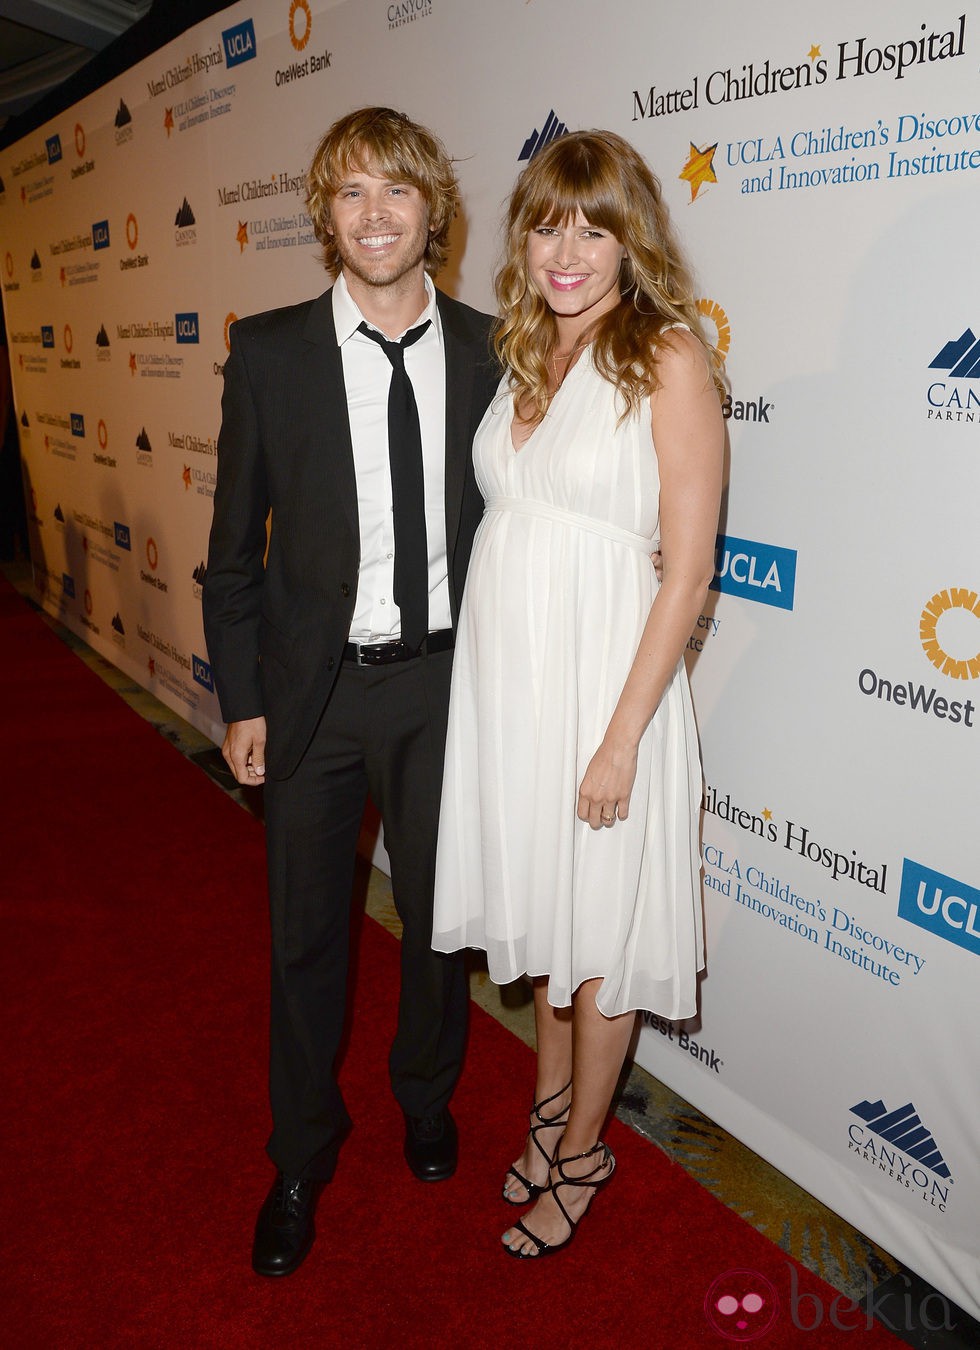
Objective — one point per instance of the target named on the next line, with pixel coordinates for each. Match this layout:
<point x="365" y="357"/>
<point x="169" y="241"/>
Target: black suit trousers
<point x="384" y="732"/>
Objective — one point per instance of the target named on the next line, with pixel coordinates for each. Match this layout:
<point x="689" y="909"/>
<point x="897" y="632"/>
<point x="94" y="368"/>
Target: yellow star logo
<point x="698" y="170"/>
<point x="242" y="235"/>
<point x="766" y="813"/>
<point x="814" y="52"/>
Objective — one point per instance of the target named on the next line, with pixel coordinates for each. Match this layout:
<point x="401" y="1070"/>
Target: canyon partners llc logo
<point x="956" y="398"/>
<point x="902" y="1149"/>
<point x="402" y="12"/>
<point x="184" y="225"/>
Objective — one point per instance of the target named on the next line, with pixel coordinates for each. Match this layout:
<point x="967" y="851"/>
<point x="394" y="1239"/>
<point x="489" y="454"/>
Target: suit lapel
<point x="323" y="399"/>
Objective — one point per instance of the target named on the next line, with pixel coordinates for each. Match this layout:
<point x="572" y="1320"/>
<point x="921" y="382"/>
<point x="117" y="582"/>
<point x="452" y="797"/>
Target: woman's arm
<point x="689" y="435"/>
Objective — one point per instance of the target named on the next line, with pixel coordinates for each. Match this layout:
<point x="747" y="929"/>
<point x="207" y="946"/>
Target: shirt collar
<point x="347" y="317"/>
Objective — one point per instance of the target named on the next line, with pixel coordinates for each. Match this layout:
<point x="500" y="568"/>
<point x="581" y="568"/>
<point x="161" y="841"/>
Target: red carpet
<point x="134" y="973"/>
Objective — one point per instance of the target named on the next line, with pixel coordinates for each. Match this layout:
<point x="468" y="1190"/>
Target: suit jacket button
<point x="330" y="663"/>
<point x="344" y="588"/>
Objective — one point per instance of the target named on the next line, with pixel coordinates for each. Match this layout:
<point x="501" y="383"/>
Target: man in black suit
<point x="331" y="646"/>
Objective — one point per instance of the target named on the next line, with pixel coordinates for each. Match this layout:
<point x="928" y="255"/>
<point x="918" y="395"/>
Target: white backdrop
<point x="824" y="173"/>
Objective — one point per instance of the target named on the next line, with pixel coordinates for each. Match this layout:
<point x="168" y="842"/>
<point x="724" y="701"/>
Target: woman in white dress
<point x="568" y="845"/>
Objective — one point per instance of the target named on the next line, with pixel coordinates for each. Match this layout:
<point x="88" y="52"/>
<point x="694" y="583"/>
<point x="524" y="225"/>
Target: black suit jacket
<point x="276" y="625"/>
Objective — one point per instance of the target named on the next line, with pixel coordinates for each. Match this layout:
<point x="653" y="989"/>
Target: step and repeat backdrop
<point x="824" y="171"/>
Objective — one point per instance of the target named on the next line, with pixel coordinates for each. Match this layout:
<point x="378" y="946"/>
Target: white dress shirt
<point x="367" y="376"/>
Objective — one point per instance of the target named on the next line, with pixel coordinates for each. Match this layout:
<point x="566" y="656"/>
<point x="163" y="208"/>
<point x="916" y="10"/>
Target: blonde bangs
<point x="574" y="183"/>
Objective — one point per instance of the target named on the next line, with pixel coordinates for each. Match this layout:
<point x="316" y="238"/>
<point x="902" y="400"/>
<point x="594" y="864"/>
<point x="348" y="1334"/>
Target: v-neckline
<point x="519" y="449"/>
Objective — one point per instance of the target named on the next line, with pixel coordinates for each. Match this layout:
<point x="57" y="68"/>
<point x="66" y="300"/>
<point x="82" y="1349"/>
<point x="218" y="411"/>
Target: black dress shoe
<point x="431" y="1145"/>
<point x="284" y="1230"/>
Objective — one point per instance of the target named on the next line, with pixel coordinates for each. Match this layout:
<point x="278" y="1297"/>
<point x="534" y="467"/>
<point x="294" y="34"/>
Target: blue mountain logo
<point x="537" y="140"/>
<point x="903" y="1128"/>
<point x="961" y="357"/>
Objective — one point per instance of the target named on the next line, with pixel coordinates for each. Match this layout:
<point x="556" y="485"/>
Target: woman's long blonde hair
<point x="601" y="175"/>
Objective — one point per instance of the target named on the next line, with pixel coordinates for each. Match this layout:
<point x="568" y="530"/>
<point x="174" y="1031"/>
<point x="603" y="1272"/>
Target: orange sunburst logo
<point x="955" y="598"/>
<point x="230" y="318"/>
<point x="168" y="121"/>
<point x="241" y="238"/>
<point x="300" y="23"/>
<point x="716" y="316"/>
<point x="132" y="363"/>
<point x="186" y="476"/>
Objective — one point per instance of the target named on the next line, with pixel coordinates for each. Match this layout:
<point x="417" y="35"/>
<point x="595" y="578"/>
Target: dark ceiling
<point x="54" y="52"/>
<point x="44" y="42"/>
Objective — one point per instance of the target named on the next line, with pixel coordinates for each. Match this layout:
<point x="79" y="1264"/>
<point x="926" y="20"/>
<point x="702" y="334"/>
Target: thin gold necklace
<point x="557" y="356"/>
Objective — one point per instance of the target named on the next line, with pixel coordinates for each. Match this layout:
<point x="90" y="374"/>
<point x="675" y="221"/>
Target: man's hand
<point x="244" y="750"/>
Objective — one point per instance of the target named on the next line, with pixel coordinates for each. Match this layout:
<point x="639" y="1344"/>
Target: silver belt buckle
<point x="381" y="653"/>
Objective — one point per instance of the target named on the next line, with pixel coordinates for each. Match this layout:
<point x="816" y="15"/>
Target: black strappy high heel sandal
<point x="544" y="1123"/>
<point x="590" y="1178"/>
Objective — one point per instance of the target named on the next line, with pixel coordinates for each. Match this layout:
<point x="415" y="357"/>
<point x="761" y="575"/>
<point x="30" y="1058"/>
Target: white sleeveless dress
<point x="559" y="588"/>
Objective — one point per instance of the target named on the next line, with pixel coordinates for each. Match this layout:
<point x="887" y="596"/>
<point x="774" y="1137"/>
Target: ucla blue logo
<point x="940" y="904"/>
<point x="47" y="335"/>
<point x="202" y="673"/>
<point x="77" y="424"/>
<point x="123" y="539"/>
<point x="755" y="571"/>
<point x="53" y="146"/>
<point x="186" y="326"/>
<point x="100" y="234"/>
<point x="239" y="43"/>
<point x="68" y="585"/>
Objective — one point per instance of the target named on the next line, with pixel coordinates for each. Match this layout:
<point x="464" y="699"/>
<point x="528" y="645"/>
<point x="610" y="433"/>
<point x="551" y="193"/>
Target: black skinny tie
<point x="407" y="489"/>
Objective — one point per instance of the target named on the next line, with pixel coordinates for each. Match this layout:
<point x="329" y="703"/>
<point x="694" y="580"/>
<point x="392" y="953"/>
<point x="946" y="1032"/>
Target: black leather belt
<point x="385" y="653"/>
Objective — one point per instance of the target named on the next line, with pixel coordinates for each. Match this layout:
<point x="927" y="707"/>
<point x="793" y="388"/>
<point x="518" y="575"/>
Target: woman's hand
<point x="604" y="795"/>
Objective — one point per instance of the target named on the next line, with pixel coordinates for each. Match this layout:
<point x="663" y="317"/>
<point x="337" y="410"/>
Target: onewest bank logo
<point x="940" y="904"/>
<point x="755" y="571"/>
